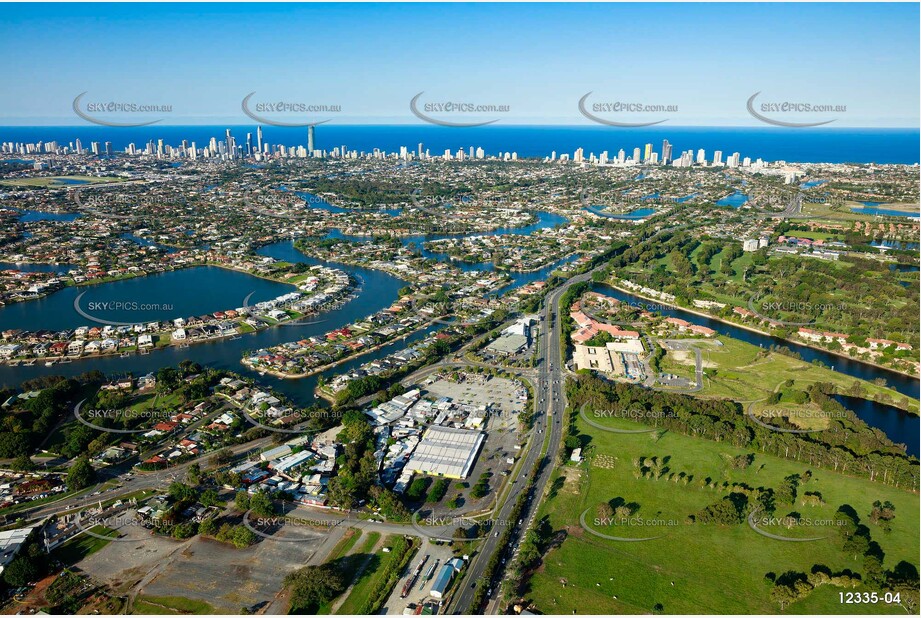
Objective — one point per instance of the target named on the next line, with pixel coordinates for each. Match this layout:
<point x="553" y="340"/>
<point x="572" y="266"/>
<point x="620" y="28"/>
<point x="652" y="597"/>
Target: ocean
<point x="816" y="145"/>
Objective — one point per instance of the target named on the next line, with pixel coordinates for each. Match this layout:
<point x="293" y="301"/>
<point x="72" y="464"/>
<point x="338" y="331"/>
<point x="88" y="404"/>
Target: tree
<point x="882" y="514"/>
<point x="312" y="586"/>
<point x="261" y="504"/>
<point x="243" y="537"/>
<point x="209" y="497"/>
<point x="605" y="511"/>
<point x="180" y="492"/>
<point x="242" y="500"/>
<point x="81" y="475"/>
<point x="223" y="456"/>
<point x="22" y="463"/>
<point x="194" y="474"/>
<point x="20" y="572"/>
<point x="207" y="526"/>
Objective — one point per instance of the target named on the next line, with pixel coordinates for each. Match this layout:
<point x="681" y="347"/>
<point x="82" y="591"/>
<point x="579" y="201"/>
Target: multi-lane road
<point x="550" y="407"/>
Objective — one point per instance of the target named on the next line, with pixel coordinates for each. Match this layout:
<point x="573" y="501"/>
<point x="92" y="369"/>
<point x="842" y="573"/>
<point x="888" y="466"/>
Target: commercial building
<point x="446" y="451"/>
<point x="444" y="577"/>
<point x="11" y="541"/>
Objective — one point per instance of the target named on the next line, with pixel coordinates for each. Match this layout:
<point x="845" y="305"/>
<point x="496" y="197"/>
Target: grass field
<point x="345" y="544"/>
<point x="59" y="181"/>
<point x="78" y="548"/>
<point x="376" y="576"/>
<point x="815" y="235"/>
<point x="744" y="372"/>
<point x="696" y="568"/>
<point x="351" y="560"/>
<point x="145" y="604"/>
<point x="844" y="213"/>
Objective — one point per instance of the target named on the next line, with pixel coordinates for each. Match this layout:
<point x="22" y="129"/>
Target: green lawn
<point x="814" y="235"/>
<point x="696" y="568"/>
<point x="145" y="604"/>
<point x="78" y="548"/>
<point x="345" y="544"/>
<point x="377" y="576"/>
<point x="734" y="370"/>
<point x="55" y="181"/>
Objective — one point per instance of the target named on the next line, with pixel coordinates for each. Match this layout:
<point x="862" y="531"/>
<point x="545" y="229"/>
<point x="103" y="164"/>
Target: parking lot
<point x="501" y="429"/>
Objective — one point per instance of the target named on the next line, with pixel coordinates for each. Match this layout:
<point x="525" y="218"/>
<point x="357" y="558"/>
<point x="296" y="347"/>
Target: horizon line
<point x="484" y="127"/>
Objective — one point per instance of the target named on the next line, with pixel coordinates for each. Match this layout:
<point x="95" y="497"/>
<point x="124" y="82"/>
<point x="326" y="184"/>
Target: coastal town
<point x="247" y="355"/>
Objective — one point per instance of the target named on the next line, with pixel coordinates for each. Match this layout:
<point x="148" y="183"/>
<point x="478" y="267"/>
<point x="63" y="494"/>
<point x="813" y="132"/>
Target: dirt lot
<point x="217" y="573"/>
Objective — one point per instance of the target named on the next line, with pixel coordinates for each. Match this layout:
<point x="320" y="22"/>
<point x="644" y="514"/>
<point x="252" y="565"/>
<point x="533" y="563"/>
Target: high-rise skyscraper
<point x="666" y="152"/>
<point x="717" y="157"/>
<point x="636" y="155"/>
<point x="648" y="153"/>
<point x="259" y="139"/>
<point x="311" y="137"/>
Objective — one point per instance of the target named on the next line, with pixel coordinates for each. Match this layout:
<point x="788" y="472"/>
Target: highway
<point x="550" y="407"/>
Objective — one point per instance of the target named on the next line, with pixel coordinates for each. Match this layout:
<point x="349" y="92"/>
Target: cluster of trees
<point x="481" y="488"/>
<point x="23" y="428"/>
<point x="882" y="515"/>
<point x="792" y="586"/>
<point x="856" y="540"/>
<point x="417" y="489"/>
<point x="848" y="446"/>
<point x="356" y="480"/>
<point x="312" y="586"/>
<point x="438" y="491"/>
<point x="617" y="507"/>
<point x="727" y="511"/>
<point x="182" y="497"/>
<point x="357" y="465"/>
<point x="259" y="503"/>
<point x="80" y="475"/>
<point x="237" y="535"/>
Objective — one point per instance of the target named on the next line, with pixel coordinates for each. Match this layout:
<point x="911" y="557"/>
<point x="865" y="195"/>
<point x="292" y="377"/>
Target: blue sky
<point x="539" y="59"/>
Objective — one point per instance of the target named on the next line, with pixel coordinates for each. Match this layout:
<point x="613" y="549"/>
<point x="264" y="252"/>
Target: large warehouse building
<point x="446" y="451"/>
